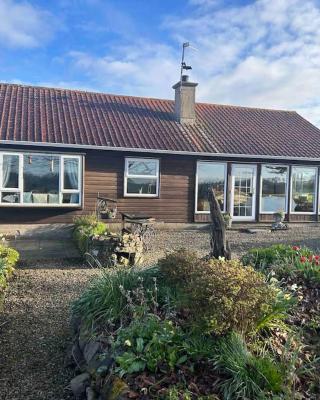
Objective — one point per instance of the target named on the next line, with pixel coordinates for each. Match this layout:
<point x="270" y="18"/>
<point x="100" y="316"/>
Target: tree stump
<point x="218" y="242"/>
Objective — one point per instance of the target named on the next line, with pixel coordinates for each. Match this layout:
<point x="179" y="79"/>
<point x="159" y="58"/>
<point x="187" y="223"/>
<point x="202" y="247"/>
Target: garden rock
<point x="83" y="338"/>
<point x="99" y="367"/>
<point x="75" y="323"/>
<point x="91" y="349"/>
<point x="79" y="384"/>
<point x="77" y="355"/>
<point x="90" y="394"/>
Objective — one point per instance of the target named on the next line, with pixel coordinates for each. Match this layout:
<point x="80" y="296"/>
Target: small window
<point x="303" y="189"/>
<point x="210" y="175"/>
<point x="274" y="188"/>
<point x="71" y="180"/>
<point x="141" y="177"/>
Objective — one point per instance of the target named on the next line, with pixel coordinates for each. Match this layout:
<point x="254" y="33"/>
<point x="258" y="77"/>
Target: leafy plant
<point x="85" y="220"/>
<point x="175" y="393"/>
<point x="179" y="266"/>
<point x="152" y="343"/>
<point x="8" y="259"/>
<point x="115" y="295"/>
<point x="219" y="295"/>
<point x="286" y="262"/>
<point x="247" y="376"/>
<point x="87" y="226"/>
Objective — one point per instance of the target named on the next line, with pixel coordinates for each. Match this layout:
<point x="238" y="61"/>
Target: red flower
<point x="303" y="259"/>
<point x="295" y="248"/>
<point x="317" y="258"/>
<point x="317" y="262"/>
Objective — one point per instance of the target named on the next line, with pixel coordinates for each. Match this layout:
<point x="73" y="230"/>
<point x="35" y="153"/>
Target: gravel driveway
<point x="240" y="240"/>
<point x="34" y="328"/>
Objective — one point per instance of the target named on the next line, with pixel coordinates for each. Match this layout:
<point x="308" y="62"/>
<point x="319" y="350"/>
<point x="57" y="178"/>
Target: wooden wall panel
<point x="104" y="173"/>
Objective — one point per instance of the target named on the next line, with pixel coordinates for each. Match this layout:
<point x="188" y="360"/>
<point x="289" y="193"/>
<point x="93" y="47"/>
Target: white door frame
<point x="254" y="193"/>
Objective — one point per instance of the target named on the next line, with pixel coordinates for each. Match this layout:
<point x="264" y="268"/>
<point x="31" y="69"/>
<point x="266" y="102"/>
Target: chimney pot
<point x="185" y="100"/>
<point x="185" y="78"/>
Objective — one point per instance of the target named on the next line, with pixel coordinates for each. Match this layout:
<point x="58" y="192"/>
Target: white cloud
<point x="263" y="54"/>
<point x="140" y="69"/>
<point x="24" y="25"/>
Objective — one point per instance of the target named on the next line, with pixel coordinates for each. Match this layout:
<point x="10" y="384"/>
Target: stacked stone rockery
<point x="119" y="249"/>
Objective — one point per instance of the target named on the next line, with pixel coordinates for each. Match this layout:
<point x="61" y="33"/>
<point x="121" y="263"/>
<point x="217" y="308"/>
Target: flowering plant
<point x="309" y="266"/>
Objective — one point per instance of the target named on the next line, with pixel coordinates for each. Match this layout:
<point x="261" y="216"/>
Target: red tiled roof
<point x="71" y="117"/>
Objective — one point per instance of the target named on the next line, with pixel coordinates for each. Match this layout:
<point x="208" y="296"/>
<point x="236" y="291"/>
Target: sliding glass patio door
<point x="243" y="195"/>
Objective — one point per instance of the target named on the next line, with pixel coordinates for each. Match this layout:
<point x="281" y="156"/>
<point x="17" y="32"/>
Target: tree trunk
<point x="218" y="242"/>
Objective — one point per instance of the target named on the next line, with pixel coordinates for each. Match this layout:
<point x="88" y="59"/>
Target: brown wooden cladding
<point x="104" y="173"/>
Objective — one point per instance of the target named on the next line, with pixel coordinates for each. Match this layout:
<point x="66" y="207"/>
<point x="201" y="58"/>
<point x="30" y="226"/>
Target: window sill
<point x="14" y="205"/>
<point x="142" y="196"/>
<point x="302" y="213"/>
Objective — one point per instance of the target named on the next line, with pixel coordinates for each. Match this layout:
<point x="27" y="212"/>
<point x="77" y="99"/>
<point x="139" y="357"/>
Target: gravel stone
<point x="307" y="234"/>
<point x="35" y="332"/>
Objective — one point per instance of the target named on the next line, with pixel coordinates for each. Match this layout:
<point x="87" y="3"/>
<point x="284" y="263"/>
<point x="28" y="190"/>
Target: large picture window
<point x="303" y="189"/>
<point x="141" y="177"/>
<point x="274" y="180"/>
<point x="40" y="179"/>
<point x="210" y="175"/>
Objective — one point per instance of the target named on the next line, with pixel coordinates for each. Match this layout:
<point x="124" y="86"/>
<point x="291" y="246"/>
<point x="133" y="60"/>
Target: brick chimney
<point x="185" y="100"/>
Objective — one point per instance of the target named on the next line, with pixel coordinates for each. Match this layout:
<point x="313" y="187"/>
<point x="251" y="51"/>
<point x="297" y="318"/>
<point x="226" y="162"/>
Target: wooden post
<point x="218" y="242"/>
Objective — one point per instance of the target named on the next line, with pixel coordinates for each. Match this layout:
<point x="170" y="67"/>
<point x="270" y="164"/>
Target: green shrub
<point x="8" y="259"/>
<point x="179" y="266"/>
<point x="86" y="227"/>
<point x="247" y="376"/>
<point x="85" y="220"/>
<point x="11" y="256"/>
<point x="220" y="295"/>
<point x="118" y="294"/>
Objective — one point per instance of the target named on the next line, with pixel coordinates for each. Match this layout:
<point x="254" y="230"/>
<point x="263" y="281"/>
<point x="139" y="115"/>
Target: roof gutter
<point x="140" y="150"/>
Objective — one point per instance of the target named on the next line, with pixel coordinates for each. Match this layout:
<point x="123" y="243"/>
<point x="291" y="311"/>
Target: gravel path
<point x="34" y="331"/>
<point x="240" y="241"/>
<point x="34" y="328"/>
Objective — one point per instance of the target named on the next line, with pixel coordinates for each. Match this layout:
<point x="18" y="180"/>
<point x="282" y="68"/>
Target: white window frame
<point x="127" y="175"/>
<point x="20" y="182"/>
<point x="225" y="185"/>
<point x="61" y="181"/>
<point x="315" y="191"/>
<point x="287" y="189"/>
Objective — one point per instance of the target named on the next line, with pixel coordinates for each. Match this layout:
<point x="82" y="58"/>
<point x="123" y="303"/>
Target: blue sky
<point x="262" y="53"/>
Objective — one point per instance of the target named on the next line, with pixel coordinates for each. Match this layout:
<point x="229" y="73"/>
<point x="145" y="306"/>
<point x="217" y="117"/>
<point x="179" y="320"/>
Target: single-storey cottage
<point x="60" y="148"/>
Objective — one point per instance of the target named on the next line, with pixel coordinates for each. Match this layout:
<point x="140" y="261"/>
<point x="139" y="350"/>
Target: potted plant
<point x="108" y="213"/>
<point x="228" y="220"/>
<point x="279" y="216"/>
